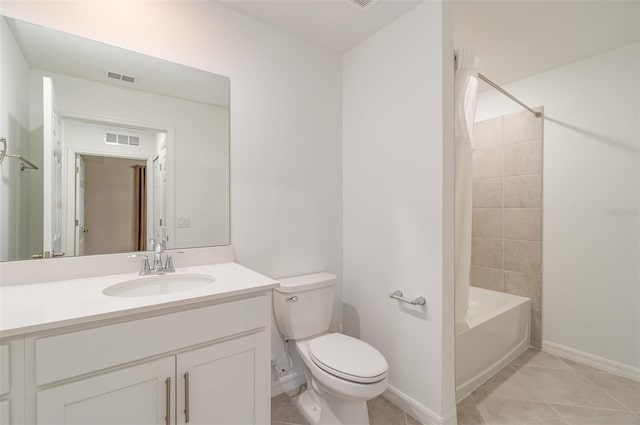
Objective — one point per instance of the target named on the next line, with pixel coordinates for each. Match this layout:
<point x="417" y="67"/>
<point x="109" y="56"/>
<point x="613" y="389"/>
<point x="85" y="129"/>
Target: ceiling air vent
<point x="121" y="77"/>
<point x="362" y="3"/>
<point x="121" y="139"/>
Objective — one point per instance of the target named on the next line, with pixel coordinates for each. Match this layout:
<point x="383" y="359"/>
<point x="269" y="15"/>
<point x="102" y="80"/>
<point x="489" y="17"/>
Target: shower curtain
<point x="466" y="88"/>
<point x="139" y="207"/>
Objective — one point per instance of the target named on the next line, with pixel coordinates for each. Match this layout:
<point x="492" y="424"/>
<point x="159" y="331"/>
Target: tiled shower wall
<point x="506" y="253"/>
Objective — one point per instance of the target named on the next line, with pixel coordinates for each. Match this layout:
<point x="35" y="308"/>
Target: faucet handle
<point x="169" y="264"/>
<point x="157" y="246"/>
<point x="145" y="269"/>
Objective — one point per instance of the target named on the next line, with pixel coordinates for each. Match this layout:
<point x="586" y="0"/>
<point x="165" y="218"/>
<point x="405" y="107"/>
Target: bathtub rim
<point x="514" y="301"/>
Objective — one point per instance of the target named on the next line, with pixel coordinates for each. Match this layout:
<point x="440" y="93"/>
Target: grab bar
<point x="24" y="163"/>
<point x="397" y="295"/>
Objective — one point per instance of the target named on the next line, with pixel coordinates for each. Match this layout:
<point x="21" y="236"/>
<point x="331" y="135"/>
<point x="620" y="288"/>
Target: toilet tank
<point x="303" y="304"/>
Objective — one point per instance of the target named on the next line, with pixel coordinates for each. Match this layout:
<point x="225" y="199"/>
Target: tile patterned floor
<point x="540" y="388"/>
<point x="537" y="388"/>
<point x="284" y="411"/>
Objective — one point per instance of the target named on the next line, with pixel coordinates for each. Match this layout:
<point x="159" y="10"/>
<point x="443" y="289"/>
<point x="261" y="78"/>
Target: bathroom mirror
<point x="107" y="148"/>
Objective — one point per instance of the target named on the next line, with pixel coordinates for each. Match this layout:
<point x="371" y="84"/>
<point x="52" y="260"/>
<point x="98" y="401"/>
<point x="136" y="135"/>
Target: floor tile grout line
<point x="625" y="410"/>
<point x="285" y="422"/>
<point x="568" y="368"/>
<point x="558" y="413"/>
<point x="582" y="374"/>
<point x="606" y="391"/>
<point x="574" y="371"/>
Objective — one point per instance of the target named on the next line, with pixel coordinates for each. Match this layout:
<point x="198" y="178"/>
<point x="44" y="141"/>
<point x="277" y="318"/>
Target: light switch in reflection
<point x="184" y="222"/>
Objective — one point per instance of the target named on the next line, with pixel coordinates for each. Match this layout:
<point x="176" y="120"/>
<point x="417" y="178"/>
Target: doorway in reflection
<point x="116" y="179"/>
<point x="110" y="205"/>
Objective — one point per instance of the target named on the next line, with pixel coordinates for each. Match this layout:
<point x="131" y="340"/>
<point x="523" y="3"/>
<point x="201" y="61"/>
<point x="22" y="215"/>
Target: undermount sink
<point x="158" y="285"/>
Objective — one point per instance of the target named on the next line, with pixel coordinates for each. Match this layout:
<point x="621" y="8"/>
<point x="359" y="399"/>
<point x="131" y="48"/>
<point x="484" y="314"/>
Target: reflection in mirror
<point x="128" y="148"/>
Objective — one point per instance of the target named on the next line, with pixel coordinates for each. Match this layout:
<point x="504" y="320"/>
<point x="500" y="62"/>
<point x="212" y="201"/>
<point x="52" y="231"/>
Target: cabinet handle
<point x="186" y="397"/>
<point x="167" y="418"/>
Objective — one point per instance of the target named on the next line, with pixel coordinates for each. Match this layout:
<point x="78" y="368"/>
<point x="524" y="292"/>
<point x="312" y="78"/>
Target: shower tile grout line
<point x="503" y="239"/>
<point x="503" y="226"/>
<point x="507" y="270"/>
<point x="508" y="208"/>
<point x="508" y="144"/>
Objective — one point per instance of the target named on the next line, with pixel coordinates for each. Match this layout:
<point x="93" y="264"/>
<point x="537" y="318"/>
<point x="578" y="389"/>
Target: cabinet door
<point x="5" y="412"/>
<point x="225" y="383"/>
<point x="135" y="395"/>
<point x="12" y="382"/>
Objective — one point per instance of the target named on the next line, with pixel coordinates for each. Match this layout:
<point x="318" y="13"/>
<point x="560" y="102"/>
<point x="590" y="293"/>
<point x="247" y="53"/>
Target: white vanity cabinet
<point x="216" y="383"/>
<point x="204" y="364"/>
<point x="5" y="384"/>
<point x="134" y="395"/>
<point x="12" y="381"/>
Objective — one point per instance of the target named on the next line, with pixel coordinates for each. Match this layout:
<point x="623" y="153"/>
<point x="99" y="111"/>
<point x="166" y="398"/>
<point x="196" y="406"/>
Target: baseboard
<point x="287" y="382"/>
<point x="607" y="365"/>
<point x="417" y="410"/>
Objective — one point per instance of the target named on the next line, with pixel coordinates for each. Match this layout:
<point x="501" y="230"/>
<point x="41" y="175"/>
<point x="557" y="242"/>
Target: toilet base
<point x="309" y="409"/>
<point x="334" y="411"/>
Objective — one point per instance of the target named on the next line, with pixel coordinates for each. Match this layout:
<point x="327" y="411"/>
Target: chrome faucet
<point x="159" y="266"/>
<point x="158" y="247"/>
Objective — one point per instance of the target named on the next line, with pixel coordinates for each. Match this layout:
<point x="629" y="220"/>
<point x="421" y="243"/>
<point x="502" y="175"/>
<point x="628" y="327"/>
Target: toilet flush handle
<point x="292" y="299"/>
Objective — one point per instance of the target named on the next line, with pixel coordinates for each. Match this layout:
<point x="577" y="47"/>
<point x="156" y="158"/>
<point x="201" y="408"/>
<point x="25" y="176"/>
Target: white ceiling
<point x="514" y="39"/>
<point x="337" y="25"/>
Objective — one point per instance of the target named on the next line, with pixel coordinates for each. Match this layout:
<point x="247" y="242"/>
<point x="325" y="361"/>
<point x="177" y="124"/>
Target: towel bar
<point x="397" y="295"/>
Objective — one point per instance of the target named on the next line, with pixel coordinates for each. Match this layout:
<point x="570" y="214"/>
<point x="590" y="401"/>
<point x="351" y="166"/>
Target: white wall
<point x="88" y="138"/>
<point x="14" y="126"/>
<point x="397" y="161"/>
<point x="285" y="120"/>
<point x="591" y="236"/>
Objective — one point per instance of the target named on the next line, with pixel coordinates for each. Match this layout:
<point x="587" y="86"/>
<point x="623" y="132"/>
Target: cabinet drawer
<point x="65" y="356"/>
<point x="5" y="364"/>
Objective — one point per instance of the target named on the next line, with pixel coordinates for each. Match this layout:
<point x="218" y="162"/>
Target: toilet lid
<point x="348" y="358"/>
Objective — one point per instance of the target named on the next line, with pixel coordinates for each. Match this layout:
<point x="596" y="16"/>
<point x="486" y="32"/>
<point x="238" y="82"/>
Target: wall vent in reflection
<point x="122" y="77"/>
<point x="121" y="139"/>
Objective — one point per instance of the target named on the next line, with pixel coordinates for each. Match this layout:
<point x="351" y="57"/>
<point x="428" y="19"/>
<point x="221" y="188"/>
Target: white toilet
<point x="342" y="372"/>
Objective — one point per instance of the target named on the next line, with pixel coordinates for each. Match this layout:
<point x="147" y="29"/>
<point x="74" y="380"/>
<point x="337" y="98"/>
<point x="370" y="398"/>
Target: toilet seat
<point x="348" y="358"/>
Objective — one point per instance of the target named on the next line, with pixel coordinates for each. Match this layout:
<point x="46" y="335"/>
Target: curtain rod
<point x="509" y="95"/>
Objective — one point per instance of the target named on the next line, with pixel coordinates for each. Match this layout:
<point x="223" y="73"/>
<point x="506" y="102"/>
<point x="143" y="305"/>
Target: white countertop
<point x="42" y="306"/>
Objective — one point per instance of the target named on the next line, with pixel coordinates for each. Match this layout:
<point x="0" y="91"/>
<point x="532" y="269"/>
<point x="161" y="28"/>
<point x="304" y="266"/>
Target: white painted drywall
<point x="591" y="236"/>
<point x="397" y="162"/>
<point x="286" y="195"/>
<point x="14" y="126"/>
<point x="88" y="138"/>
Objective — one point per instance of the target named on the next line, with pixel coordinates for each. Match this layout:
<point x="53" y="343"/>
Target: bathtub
<point x="496" y="332"/>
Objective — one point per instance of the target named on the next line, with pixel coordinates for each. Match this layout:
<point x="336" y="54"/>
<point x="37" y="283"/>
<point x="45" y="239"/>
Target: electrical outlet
<point x="184" y="222"/>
